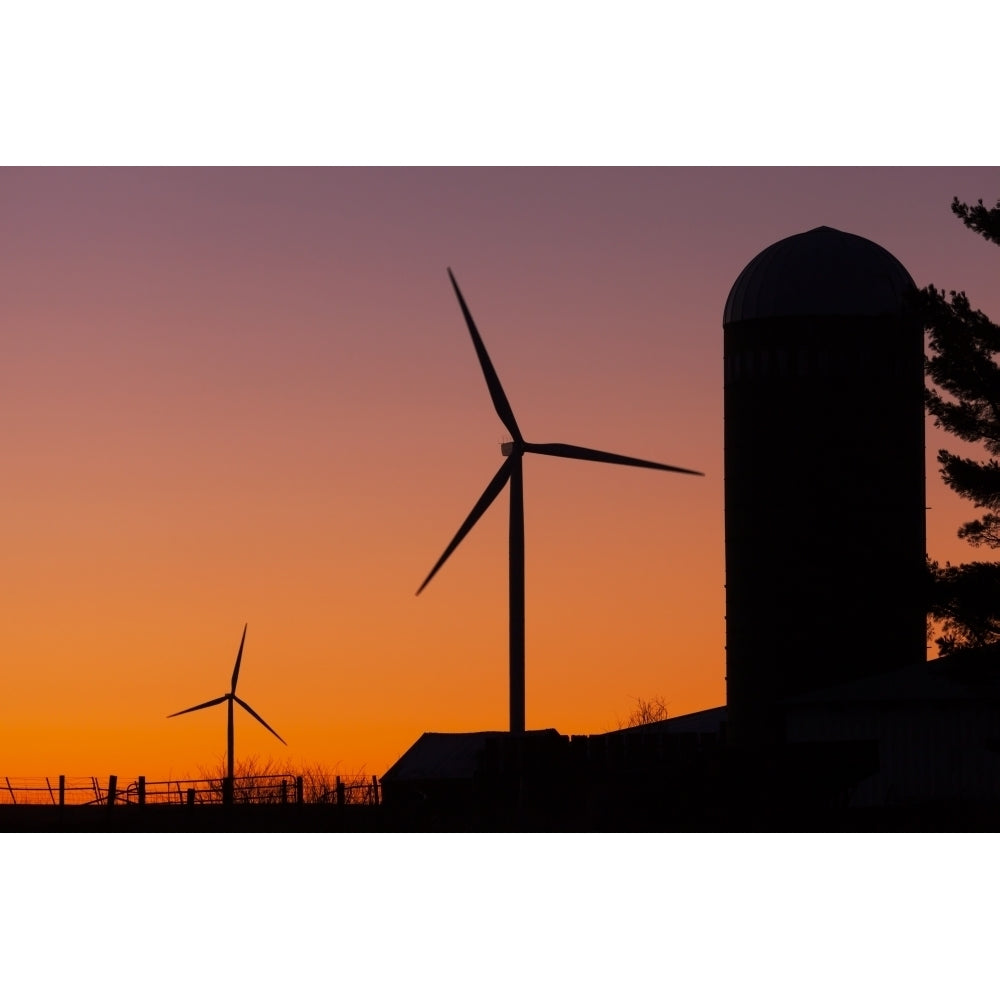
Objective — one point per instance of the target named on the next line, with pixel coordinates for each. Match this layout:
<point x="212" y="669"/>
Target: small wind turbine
<point x="511" y="470"/>
<point x="230" y="698"/>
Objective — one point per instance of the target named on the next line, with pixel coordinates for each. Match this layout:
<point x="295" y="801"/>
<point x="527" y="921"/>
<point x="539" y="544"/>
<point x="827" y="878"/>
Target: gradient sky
<point x="248" y="395"/>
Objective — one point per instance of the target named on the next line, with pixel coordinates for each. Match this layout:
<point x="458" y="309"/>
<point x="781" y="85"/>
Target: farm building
<point x="936" y="724"/>
<point x="448" y="772"/>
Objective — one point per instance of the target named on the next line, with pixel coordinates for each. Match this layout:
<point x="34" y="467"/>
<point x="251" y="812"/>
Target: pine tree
<point x="965" y="600"/>
<point x="965" y="400"/>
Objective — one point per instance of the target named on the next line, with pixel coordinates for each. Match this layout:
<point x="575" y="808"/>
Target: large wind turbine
<point x="230" y="698"/>
<point x="511" y="470"/>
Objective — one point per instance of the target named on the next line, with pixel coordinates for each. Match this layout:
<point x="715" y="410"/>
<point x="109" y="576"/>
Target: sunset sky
<point x="248" y="395"/>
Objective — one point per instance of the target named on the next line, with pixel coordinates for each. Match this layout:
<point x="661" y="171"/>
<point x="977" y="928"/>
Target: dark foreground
<point x="325" y="818"/>
<point x="261" y="818"/>
<point x="545" y="783"/>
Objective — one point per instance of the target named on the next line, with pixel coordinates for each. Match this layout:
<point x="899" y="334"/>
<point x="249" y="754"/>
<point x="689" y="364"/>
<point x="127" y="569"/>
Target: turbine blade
<point x="500" y="402"/>
<point x="204" y="704"/>
<point x="240" y="701"/>
<point x="239" y="656"/>
<point x="496" y="484"/>
<point x="592" y="455"/>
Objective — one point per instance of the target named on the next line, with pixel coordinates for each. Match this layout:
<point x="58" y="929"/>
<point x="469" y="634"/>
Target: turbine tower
<point x="511" y="471"/>
<point x="231" y="697"/>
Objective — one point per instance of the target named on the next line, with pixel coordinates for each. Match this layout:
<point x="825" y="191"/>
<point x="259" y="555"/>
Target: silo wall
<point x="824" y="508"/>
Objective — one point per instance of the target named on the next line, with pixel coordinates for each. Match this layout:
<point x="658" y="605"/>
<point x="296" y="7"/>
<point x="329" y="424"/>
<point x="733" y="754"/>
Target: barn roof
<point x="971" y="676"/>
<point x="445" y="756"/>
<point x="708" y="720"/>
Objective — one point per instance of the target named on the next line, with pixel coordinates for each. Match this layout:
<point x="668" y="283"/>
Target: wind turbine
<point x="511" y="471"/>
<point x="230" y="698"/>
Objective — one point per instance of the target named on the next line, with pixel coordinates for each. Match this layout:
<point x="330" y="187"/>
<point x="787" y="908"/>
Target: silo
<point x="824" y="470"/>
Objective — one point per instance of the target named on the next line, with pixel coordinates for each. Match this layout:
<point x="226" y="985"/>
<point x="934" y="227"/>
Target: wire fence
<point x="256" y="789"/>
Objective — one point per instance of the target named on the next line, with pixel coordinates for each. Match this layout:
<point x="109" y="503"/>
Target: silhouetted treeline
<point x="964" y="399"/>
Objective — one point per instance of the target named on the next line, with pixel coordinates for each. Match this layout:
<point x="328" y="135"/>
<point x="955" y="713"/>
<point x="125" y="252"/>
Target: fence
<point x="260" y="789"/>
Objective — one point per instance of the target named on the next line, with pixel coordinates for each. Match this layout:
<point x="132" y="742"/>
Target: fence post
<point x="190" y="797"/>
<point x="374" y="790"/>
<point x="299" y="790"/>
<point x="62" y="789"/>
<point x="142" y="789"/>
<point x="49" y="786"/>
<point x="112" y="789"/>
<point x="341" y="798"/>
<point x="227" y="791"/>
<point x="284" y="791"/>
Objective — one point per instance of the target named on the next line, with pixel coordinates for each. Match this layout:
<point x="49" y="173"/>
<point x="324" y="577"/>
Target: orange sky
<point x="234" y="395"/>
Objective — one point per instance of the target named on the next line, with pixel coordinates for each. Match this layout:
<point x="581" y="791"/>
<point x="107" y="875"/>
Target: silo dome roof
<point x="822" y="272"/>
